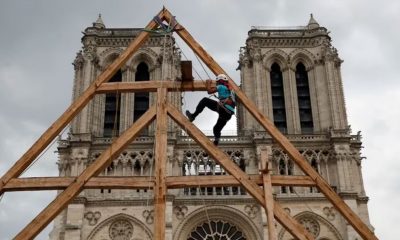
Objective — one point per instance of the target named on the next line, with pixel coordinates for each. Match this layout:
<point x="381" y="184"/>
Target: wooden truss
<point x="72" y="186"/>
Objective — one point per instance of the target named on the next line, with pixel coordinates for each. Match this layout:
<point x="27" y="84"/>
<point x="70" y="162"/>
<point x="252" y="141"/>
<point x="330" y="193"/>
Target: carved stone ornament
<point x="79" y="60"/>
<point x="310" y="225"/>
<point x="329" y="213"/>
<point x="251" y="210"/>
<point x="149" y="216"/>
<point x="92" y="217"/>
<point x="121" y="230"/>
<point x="180" y="211"/>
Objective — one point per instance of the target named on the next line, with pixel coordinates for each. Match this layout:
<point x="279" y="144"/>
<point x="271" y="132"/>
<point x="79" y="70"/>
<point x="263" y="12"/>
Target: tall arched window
<point x="141" y="98"/>
<point x="278" y="98"/>
<point x="303" y="96"/>
<point x="112" y="110"/>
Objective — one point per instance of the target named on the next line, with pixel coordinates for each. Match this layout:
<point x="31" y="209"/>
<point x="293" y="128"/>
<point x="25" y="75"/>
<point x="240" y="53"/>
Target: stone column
<point x="314" y="98"/>
<point x="128" y="75"/>
<point x="335" y="90"/>
<point x="77" y="87"/>
<point x="248" y="87"/>
<point x="89" y="75"/>
<point x="268" y="108"/>
<point x="97" y="124"/>
<point x="259" y="91"/>
<point x="168" y="219"/>
<point x="73" y="227"/>
<point x="339" y="91"/>
<point x="322" y="96"/>
<point x="351" y="233"/>
<point x="291" y="102"/>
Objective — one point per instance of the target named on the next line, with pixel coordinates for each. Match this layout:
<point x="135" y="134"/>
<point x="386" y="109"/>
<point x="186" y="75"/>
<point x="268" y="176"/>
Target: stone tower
<point x="292" y="74"/>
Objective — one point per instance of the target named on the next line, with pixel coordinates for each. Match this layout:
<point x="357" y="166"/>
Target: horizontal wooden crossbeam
<point x="145" y="182"/>
<point x="151" y="86"/>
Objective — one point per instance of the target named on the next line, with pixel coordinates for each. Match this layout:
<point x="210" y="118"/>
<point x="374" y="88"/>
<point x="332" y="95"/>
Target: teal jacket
<point x="223" y="93"/>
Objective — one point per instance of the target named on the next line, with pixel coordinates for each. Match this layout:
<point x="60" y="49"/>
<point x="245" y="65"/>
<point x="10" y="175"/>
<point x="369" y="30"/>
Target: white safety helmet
<point x="222" y="77"/>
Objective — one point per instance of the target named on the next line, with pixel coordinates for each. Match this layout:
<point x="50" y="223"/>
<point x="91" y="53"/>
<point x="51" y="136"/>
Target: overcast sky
<point x="39" y="40"/>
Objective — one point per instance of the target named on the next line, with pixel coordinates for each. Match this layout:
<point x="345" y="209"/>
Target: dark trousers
<point x="224" y="114"/>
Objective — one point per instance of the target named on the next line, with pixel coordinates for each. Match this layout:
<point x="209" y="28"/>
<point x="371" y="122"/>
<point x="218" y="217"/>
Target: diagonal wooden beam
<point x="295" y="155"/>
<point x="48" y="136"/>
<point x="222" y="158"/>
<point x="62" y="200"/>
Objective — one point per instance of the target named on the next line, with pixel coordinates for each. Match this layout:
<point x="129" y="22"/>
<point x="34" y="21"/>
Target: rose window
<point x="310" y="225"/>
<point x="216" y="230"/>
<point x="121" y="230"/>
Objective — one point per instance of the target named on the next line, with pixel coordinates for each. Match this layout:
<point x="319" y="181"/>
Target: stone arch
<point x="216" y="212"/>
<point x="108" y="56"/>
<point x="121" y="216"/>
<point x="275" y="55"/>
<point x="328" y="231"/>
<point x="145" y="55"/>
<point x="302" y="56"/>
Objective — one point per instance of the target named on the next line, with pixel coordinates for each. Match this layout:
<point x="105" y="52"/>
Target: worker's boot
<point x="190" y="116"/>
<point x="216" y="141"/>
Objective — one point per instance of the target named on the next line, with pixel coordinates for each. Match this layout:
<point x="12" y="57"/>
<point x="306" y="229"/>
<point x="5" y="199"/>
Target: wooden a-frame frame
<point x="88" y="178"/>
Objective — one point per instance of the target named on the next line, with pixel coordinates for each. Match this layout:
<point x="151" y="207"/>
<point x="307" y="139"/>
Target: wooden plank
<point x="266" y="168"/>
<point x="48" y="136"/>
<point x="289" y="223"/>
<point x="295" y="155"/>
<point x="151" y="86"/>
<point x="137" y="182"/>
<point x="160" y="187"/>
<point x="62" y="200"/>
<point x="228" y="180"/>
<point x="60" y="183"/>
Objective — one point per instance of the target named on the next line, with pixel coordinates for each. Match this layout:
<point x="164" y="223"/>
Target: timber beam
<point x="146" y="182"/>
<point x="151" y="86"/>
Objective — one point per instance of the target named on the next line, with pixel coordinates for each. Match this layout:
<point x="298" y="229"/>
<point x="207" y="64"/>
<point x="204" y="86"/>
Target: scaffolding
<point x="71" y="186"/>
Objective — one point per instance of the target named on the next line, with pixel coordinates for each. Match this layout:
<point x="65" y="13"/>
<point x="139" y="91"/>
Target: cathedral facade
<point x="292" y="74"/>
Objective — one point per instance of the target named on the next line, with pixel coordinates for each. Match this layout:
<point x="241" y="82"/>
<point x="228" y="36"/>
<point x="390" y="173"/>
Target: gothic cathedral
<point x="292" y="74"/>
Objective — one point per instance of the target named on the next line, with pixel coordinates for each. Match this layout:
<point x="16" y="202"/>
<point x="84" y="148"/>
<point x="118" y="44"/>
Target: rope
<point x="44" y="152"/>
<point x="194" y="68"/>
<point x="305" y="202"/>
<point x="201" y="64"/>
